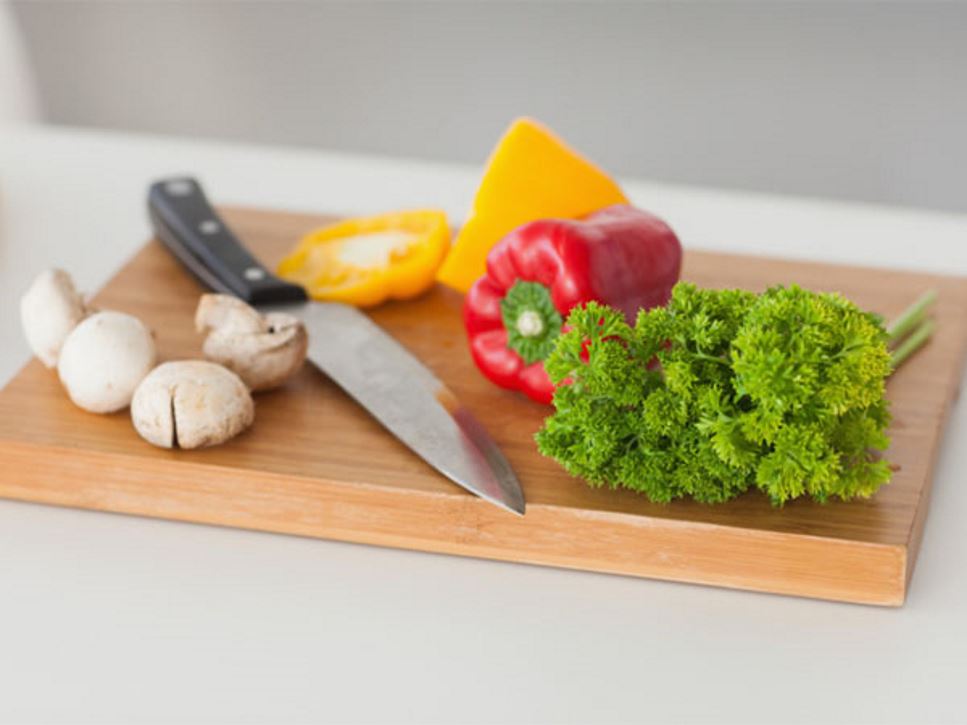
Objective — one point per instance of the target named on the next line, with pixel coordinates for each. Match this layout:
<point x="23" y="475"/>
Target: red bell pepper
<point x="621" y="256"/>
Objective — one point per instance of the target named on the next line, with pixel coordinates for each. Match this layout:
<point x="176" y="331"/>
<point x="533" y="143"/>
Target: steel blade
<point x="408" y="399"/>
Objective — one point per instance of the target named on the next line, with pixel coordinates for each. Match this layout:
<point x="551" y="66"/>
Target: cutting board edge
<point x="667" y="549"/>
<point x="922" y="510"/>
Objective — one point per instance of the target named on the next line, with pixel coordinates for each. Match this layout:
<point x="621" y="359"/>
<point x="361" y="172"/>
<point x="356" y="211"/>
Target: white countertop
<point x="107" y="618"/>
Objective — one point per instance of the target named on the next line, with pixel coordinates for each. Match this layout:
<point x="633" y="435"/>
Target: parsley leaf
<point x="722" y="391"/>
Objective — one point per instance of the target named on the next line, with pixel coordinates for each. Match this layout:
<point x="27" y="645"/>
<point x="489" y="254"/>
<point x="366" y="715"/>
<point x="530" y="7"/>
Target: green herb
<point x="722" y="391"/>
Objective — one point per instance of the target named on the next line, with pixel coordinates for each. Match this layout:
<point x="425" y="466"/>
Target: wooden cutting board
<point x="315" y="464"/>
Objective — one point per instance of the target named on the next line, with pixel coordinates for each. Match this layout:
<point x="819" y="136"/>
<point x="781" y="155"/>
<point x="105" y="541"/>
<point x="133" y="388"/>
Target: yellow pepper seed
<point x="376" y="249"/>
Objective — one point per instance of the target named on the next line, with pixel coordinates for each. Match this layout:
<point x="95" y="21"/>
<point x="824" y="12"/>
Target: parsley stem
<point x="911" y="317"/>
<point x="710" y="358"/>
<point x="914" y="342"/>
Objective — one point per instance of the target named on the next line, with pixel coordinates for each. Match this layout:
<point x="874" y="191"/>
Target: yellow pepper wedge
<point x="532" y="174"/>
<point x="368" y="260"/>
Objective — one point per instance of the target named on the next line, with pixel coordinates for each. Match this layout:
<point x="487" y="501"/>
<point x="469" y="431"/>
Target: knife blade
<point x="358" y="355"/>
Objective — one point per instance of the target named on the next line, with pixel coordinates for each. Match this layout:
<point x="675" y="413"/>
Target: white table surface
<point x="107" y="618"/>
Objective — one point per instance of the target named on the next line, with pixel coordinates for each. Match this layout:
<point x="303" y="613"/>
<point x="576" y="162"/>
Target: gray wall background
<point x="858" y="101"/>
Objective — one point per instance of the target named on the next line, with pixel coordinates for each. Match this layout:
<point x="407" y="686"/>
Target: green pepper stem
<point x="911" y="317"/>
<point x="917" y="339"/>
<point x="531" y="320"/>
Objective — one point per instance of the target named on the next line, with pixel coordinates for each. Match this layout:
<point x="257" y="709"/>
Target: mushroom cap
<point x="104" y="358"/>
<point x="264" y="351"/>
<point x="49" y="309"/>
<point x="190" y="404"/>
<point x="227" y="313"/>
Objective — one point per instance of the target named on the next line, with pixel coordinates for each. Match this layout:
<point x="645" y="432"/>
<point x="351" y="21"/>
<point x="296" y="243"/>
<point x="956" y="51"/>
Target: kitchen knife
<point x="382" y="376"/>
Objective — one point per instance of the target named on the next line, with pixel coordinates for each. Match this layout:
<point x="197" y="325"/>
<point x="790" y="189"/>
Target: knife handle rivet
<point x="254" y="274"/>
<point x="179" y="187"/>
<point x="209" y="226"/>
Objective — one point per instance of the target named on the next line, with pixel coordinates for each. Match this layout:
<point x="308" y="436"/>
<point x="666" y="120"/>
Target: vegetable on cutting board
<point x="49" y="309"/>
<point x="621" y="256"/>
<point x="781" y="391"/>
<point x="104" y="359"/>
<point x="368" y="260"/>
<point x="532" y="174"/>
<point x="191" y="404"/>
<point x="263" y="350"/>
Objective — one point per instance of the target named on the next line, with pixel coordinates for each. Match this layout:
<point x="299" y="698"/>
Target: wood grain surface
<point x="315" y="464"/>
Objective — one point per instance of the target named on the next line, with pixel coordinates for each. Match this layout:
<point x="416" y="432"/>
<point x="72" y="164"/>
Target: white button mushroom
<point x="103" y="359"/>
<point x="50" y="308"/>
<point x="265" y="351"/>
<point x="190" y="404"/>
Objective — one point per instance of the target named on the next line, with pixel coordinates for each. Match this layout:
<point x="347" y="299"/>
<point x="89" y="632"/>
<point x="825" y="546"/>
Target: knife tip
<point x="515" y="505"/>
<point x="517" y="511"/>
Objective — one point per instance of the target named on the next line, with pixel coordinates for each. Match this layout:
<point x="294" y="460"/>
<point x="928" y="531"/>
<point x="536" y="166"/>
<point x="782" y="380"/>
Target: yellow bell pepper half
<point x="368" y="260"/>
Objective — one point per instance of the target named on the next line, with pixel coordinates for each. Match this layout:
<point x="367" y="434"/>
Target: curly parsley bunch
<point x="781" y="391"/>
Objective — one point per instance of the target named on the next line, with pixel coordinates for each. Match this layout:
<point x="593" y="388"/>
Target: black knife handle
<point x="188" y="226"/>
